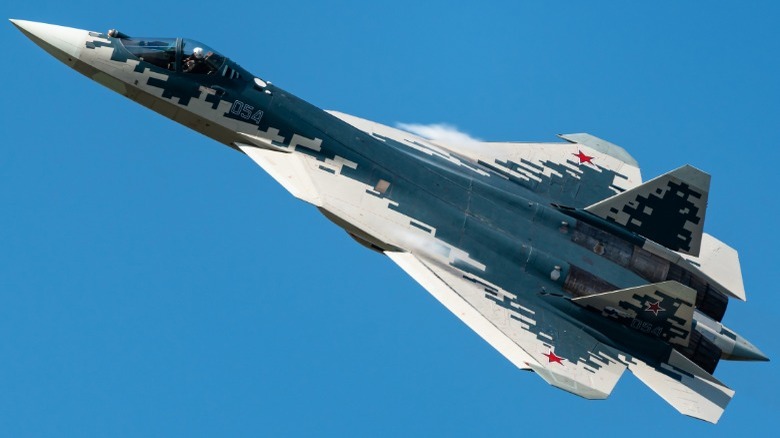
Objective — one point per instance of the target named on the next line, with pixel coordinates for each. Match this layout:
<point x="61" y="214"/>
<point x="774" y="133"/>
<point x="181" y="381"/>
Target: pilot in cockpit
<point x="196" y="63"/>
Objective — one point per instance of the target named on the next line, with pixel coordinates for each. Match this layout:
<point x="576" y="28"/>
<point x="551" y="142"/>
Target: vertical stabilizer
<point x="668" y="209"/>
<point x="663" y="310"/>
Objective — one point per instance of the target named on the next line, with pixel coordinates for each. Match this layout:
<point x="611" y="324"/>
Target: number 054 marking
<point x="246" y="111"/>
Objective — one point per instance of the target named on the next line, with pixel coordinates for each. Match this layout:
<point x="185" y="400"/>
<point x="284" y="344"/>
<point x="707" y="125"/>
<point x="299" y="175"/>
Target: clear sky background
<point x="156" y="283"/>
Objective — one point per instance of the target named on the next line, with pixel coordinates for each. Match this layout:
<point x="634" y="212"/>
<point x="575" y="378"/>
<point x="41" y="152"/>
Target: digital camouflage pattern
<point x="555" y="253"/>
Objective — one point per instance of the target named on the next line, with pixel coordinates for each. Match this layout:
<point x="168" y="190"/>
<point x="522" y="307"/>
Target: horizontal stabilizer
<point x="721" y="263"/>
<point x="685" y="386"/>
<point x="664" y="310"/>
<point x="668" y="209"/>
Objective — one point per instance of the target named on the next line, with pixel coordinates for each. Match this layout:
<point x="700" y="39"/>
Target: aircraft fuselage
<point x="398" y="194"/>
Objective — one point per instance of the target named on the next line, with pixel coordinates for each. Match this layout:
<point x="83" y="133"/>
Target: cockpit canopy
<point x="175" y="54"/>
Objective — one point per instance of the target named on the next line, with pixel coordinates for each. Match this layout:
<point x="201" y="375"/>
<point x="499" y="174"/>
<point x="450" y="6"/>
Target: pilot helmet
<point x="198" y="52"/>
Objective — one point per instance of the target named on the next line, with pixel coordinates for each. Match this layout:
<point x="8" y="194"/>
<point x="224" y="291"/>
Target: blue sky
<point x="155" y="283"/>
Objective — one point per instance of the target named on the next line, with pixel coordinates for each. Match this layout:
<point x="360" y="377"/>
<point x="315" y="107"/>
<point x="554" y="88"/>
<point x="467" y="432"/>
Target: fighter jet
<point x="557" y="254"/>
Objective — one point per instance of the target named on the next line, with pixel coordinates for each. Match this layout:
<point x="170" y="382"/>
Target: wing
<point x="534" y="338"/>
<point x="578" y="173"/>
<point x="587" y="169"/>
<point x="531" y="338"/>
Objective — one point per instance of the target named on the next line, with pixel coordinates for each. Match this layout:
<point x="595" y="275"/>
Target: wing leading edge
<point x="529" y="338"/>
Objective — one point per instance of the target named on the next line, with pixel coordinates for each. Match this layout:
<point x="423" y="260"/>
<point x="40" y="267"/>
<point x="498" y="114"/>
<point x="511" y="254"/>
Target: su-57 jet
<point x="557" y="254"/>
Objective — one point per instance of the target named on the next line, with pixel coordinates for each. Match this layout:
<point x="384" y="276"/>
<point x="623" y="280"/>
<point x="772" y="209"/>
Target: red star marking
<point x="551" y="357"/>
<point x="584" y="158"/>
<point x="654" y="307"/>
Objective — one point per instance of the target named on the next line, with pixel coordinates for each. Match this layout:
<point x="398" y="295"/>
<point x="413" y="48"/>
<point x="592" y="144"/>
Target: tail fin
<point x="663" y="309"/>
<point x="668" y="209"/>
<point x="685" y="386"/>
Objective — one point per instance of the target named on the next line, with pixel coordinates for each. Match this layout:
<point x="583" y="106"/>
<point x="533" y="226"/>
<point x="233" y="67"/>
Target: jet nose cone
<point x="64" y="43"/>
